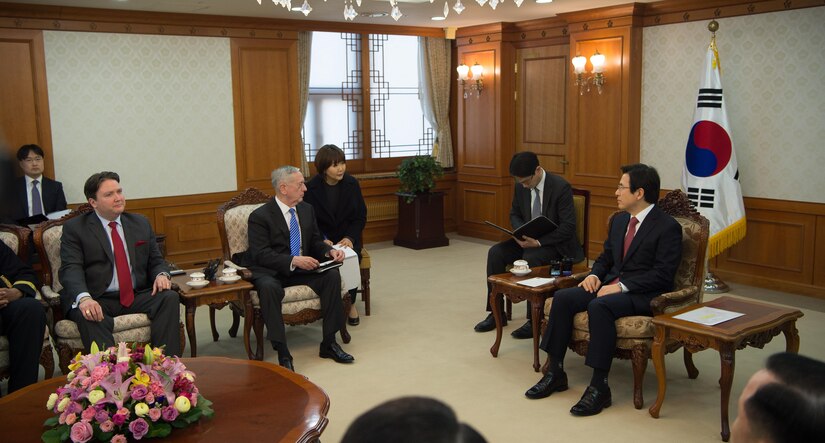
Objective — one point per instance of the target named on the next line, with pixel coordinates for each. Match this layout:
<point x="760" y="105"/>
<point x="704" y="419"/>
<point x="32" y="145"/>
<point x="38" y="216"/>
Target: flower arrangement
<point x="123" y="394"/>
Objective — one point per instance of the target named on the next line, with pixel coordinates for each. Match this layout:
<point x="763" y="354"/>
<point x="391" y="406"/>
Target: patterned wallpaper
<point x="773" y="75"/>
<point x="155" y="109"/>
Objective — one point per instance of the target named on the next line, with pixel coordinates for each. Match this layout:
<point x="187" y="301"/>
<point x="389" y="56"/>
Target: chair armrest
<point x="245" y="273"/>
<point x="671" y="301"/>
<point x="571" y="281"/>
<point x="51" y="297"/>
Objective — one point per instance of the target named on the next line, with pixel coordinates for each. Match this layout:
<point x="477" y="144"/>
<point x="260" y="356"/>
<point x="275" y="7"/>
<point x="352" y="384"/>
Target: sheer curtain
<point x="434" y="90"/>
<point x="304" y="51"/>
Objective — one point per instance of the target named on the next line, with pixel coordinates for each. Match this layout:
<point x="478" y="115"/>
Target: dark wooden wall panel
<point x="265" y="90"/>
<point x="24" y="99"/>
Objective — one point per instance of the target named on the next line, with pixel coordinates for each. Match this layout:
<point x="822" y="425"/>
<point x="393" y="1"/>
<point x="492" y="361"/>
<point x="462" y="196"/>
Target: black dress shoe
<point x="592" y="402"/>
<point x="335" y="352"/>
<point x="286" y="362"/>
<point x="525" y="331"/>
<point x="353" y="321"/>
<point x="489" y="323"/>
<point x="548" y="384"/>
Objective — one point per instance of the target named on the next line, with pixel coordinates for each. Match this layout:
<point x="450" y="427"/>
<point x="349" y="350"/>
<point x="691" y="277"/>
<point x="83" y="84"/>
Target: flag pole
<point x="713" y="284"/>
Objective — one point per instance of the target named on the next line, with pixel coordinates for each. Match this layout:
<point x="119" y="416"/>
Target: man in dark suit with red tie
<point x="285" y="245"/>
<point x="111" y="265"/>
<point x="35" y="194"/>
<point x="639" y="262"/>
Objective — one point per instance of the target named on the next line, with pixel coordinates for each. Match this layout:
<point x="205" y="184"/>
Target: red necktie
<point x="628" y="239"/>
<point x="124" y="275"/>
<point x="631" y="232"/>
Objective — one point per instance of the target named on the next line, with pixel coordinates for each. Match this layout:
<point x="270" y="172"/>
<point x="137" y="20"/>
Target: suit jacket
<point x="51" y="192"/>
<point x="269" y="251"/>
<point x="557" y="205"/>
<point x="349" y="218"/>
<point x="651" y="262"/>
<point x="88" y="263"/>
<point x="16" y="274"/>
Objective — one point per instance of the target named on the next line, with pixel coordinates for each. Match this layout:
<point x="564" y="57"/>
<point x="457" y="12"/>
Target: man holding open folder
<point x="536" y="193"/>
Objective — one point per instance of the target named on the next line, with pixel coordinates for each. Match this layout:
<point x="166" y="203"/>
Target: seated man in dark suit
<point x="111" y="266"/>
<point x="22" y="318"/>
<point x="537" y="192"/>
<point x="285" y="245"/>
<point x="35" y="194"/>
<point x="639" y="262"/>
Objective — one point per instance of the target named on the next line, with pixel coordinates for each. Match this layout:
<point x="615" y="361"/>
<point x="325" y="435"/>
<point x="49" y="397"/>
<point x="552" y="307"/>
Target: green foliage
<point x="418" y="174"/>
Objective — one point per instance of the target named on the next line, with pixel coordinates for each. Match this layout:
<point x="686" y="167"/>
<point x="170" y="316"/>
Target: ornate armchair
<point x="364" y="290"/>
<point x="130" y="328"/>
<point x="17" y="238"/>
<point x="301" y="305"/>
<point x="635" y="334"/>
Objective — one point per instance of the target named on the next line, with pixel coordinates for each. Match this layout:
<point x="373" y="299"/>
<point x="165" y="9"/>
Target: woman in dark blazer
<point x="339" y="205"/>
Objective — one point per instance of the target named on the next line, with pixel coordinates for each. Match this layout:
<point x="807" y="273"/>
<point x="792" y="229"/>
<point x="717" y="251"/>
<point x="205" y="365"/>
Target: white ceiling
<point x="416" y="12"/>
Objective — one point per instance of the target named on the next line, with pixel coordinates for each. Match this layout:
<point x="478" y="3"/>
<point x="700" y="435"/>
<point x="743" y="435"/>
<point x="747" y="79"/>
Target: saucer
<point x="521" y="273"/>
<point x="198" y="284"/>
<point x="229" y="278"/>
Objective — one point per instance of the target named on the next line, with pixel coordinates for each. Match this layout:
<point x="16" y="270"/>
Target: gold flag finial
<point x="713" y="26"/>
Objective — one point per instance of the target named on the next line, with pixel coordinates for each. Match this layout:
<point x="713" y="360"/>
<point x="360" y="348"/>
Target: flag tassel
<point x="727" y="237"/>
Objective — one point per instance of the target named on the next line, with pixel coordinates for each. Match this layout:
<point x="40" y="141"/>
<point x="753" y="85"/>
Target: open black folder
<point x="323" y="267"/>
<point x="535" y="228"/>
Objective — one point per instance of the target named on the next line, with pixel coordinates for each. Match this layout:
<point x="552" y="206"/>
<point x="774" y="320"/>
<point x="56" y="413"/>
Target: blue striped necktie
<point x="294" y="234"/>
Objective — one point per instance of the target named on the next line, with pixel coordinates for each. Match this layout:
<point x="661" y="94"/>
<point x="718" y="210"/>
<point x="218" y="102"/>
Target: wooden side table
<point x="757" y="327"/>
<point x="216" y="294"/>
<point x="506" y="285"/>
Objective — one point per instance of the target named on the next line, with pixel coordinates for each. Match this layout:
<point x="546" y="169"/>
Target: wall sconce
<point x="470" y="83"/>
<point x="597" y="79"/>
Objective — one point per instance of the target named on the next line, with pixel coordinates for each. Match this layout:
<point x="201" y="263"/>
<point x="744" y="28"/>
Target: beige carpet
<point x="419" y="340"/>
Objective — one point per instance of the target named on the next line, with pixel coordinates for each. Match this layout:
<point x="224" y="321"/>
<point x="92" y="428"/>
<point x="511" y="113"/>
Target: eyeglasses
<point x="37" y="159"/>
<point x="622" y="187"/>
<point x="522" y="181"/>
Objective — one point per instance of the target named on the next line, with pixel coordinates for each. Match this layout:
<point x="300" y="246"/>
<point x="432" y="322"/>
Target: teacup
<point x="520" y="265"/>
<point x="229" y="272"/>
<point x="197" y="276"/>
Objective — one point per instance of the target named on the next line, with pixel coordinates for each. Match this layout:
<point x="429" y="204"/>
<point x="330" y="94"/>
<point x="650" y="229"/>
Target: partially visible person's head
<point x="783" y="403"/>
<point x="638" y="187"/>
<point x="410" y="420"/>
<point x="524" y="167"/>
<point x="288" y="183"/>
<point x="331" y="163"/>
<point x="31" y="160"/>
<point x="104" y="193"/>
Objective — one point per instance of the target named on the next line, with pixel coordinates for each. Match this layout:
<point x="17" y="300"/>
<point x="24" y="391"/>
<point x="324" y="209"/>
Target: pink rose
<point x="88" y="414"/>
<point x="139" y="428"/>
<point x="81" y="432"/>
<point x="121" y="416"/>
<point x="99" y="372"/>
<point x="139" y="392"/>
<point x="70" y="419"/>
<point x="101" y="416"/>
<point x="119" y="438"/>
<point x="169" y="413"/>
<point x="154" y="414"/>
<point x="149" y="399"/>
<point x="107" y="426"/>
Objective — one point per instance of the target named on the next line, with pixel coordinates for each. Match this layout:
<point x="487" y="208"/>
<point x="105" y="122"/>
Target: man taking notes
<point x="285" y="245"/>
<point x="536" y="192"/>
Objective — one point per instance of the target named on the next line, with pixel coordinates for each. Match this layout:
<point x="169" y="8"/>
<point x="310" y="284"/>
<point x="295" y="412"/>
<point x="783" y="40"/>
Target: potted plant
<point x="420" y="211"/>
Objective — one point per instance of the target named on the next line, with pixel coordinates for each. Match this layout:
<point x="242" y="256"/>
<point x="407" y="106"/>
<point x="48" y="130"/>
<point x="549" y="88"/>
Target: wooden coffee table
<point x="216" y="294"/>
<point x="506" y="285"/>
<point x="252" y="400"/>
<point x="757" y="327"/>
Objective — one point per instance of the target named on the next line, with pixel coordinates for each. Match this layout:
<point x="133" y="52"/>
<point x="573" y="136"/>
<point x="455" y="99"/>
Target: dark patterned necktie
<point x="124" y="275"/>
<point x="536" y="211"/>
<point x="294" y="234"/>
<point x="37" y="205"/>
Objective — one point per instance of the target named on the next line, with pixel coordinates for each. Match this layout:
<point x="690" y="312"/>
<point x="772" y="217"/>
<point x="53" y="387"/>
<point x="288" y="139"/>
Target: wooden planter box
<point x="421" y="222"/>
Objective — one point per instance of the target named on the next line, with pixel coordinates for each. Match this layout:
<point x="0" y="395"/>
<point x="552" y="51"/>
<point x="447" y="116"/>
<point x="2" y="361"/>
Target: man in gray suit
<point x="111" y="266"/>
<point x="537" y="192"/>
<point x="285" y="247"/>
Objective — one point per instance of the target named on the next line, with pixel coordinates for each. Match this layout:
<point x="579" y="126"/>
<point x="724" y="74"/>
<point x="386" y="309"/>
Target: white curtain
<point x="434" y="90"/>
<point x="304" y="51"/>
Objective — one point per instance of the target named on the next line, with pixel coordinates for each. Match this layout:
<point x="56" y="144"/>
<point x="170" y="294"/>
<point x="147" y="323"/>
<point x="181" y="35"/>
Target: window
<point x="340" y="110"/>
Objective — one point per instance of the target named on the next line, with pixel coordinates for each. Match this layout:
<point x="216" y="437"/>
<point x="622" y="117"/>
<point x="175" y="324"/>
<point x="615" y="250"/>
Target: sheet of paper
<point x="536" y="281"/>
<point x="348" y="252"/>
<point x="57" y="214"/>
<point x="708" y="316"/>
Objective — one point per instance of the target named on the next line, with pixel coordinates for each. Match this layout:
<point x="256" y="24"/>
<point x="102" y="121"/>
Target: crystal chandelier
<point x="395" y="11"/>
